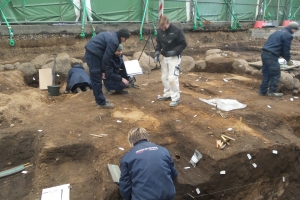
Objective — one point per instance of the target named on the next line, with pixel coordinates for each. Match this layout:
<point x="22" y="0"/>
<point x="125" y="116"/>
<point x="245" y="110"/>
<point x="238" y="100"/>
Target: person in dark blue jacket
<point x="147" y="170"/>
<point x="77" y="80"/>
<point x="116" y="77"/>
<point x="277" y="45"/>
<point x="99" y="51"/>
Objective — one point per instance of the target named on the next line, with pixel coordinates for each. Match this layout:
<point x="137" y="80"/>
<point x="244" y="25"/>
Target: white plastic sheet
<point x="225" y="104"/>
<point x="61" y="192"/>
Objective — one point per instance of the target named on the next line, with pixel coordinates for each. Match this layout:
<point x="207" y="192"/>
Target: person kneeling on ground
<point x="147" y="170"/>
<point x="116" y="77"/>
<point x="77" y="80"/>
<point x="278" y="44"/>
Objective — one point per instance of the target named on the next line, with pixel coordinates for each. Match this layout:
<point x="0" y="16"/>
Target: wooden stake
<point x="239" y="126"/>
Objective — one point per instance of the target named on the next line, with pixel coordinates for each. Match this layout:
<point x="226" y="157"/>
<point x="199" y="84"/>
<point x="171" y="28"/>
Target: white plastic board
<point x="133" y="67"/>
<point x="225" y="104"/>
<point x="45" y="78"/>
<point x="61" y="192"/>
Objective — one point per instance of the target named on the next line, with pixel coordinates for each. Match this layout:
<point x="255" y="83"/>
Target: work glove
<point x="290" y="63"/>
<point x="170" y="53"/>
<point x="156" y="56"/>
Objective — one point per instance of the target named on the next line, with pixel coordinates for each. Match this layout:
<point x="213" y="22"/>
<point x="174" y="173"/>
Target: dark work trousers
<point x="271" y="73"/>
<point x="82" y="86"/>
<point x="94" y="63"/>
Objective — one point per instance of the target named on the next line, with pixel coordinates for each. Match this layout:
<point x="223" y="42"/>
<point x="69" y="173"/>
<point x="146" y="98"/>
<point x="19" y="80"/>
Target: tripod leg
<point x="144" y="47"/>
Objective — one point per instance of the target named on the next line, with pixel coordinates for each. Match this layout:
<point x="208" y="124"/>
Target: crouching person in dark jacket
<point x="77" y="80"/>
<point x="277" y="45"/>
<point x="147" y="170"/>
<point x="116" y="74"/>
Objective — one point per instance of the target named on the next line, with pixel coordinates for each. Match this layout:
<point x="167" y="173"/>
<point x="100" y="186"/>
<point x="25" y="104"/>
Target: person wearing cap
<point x="116" y="77"/>
<point x="170" y="43"/>
<point x="147" y="170"/>
<point x="277" y="45"/>
<point x="99" y="51"/>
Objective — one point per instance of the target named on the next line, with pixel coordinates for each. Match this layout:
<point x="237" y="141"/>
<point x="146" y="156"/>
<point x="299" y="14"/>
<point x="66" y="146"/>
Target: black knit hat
<point x="123" y="32"/>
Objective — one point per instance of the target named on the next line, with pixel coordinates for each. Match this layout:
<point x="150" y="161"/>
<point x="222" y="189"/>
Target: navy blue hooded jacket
<point x="77" y="75"/>
<point x="147" y="173"/>
<point x="104" y="46"/>
<point x="114" y="74"/>
<point x="279" y="43"/>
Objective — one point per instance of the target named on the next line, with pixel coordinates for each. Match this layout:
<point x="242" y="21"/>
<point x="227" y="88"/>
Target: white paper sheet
<point x="61" y="192"/>
<point x="225" y="104"/>
<point x="133" y="67"/>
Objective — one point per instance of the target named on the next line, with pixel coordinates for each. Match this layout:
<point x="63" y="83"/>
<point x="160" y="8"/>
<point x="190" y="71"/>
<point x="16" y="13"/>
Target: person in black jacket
<point x="77" y="80"/>
<point x="147" y="170"/>
<point x="99" y="51"/>
<point x="116" y="77"/>
<point x="170" y="43"/>
<point x="277" y="45"/>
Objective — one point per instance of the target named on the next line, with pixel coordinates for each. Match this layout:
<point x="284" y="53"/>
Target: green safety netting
<point x="38" y="11"/>
<point x="284" y="5"/>
<point x="176" y="11"/>
<point x="216" y="10"/>
<point x="116" y="10"/>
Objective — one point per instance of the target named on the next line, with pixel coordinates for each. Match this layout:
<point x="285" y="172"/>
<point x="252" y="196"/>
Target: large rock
<point x="200" y="65"/>
<point x="17" y="64"/>
<point x="74" y="61"/>
<point x="296" y="84"/>
<point x="212" y="57"/>
<point x="144" y="61"/>
<point x="62" y="64"/>
<point x="49" y="61"/>
<point x="2" y="68"/>
<point x="250" y="69"/>
<point x="39" y="61"/>
<point x="187" y="64"/>
<point x="213" y="51"/>
<point x="219" y="64"/>
<point x="9" y="67"/>
<point x="240" y="66"/>
<point x="27" y="68"/>
<point x="257" y="74"/>
<point x="287" y="80"/>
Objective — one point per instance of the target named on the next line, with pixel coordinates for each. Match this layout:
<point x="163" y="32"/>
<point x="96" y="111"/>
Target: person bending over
<point x="147" y="170"/>
<point x="77" y="80"/>
<point x="170" y="43"/>
<point x="99" y="51"/>
<point x="277" y="45"/>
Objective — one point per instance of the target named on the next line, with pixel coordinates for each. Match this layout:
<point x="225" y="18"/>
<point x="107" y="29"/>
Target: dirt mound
<point x="11" y="81"/>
